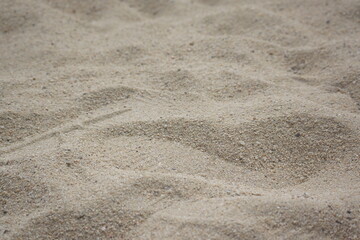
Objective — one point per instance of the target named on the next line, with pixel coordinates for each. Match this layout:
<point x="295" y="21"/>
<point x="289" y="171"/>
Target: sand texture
<point x="179" y="119"/>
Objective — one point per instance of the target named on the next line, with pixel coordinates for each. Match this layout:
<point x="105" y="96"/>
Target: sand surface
<point x="179" y="119"/>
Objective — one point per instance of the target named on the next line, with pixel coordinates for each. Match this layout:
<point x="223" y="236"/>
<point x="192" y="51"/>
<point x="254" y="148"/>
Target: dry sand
<point x="179" y="119"/>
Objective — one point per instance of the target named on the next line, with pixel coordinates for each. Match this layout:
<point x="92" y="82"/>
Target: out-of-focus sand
<point x="182" y="119"/>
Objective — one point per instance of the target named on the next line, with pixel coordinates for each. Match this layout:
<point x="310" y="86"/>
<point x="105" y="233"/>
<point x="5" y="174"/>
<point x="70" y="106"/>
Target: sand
<point x="180" y="119"/>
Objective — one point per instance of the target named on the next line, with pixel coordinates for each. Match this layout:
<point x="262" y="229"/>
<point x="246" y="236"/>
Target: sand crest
<point x="179" y="119"/>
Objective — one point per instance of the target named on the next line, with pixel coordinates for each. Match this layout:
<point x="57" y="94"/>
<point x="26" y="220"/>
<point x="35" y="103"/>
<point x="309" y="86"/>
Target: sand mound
<point x="89" y="223"/>
<point x="238" y="89"/>
<point x="295" y="147"/>
<point x="277" y="217"/>
<point x="179" y="119"/>
<point x="20" y="194"/>
<point x="175" y="80"/>
<point x="351" y="85"/>
<point x="17" y="126"/>
<point x="103" y="97"/>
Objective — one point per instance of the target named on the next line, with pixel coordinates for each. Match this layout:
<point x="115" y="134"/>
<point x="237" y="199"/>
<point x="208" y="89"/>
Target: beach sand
<point x="180" y="119"/>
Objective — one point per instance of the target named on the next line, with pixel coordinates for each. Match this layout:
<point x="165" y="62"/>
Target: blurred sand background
<point x="179" y="119"/>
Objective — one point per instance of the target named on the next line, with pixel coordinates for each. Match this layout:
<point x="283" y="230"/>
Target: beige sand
<point x="179" y="119"/>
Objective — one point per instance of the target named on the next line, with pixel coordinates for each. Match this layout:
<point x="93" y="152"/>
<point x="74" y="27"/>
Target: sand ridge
<point x="179" y="119"/>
